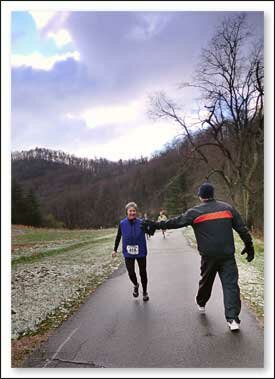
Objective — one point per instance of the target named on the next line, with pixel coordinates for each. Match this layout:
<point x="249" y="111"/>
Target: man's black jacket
<point x="213" y="223"/>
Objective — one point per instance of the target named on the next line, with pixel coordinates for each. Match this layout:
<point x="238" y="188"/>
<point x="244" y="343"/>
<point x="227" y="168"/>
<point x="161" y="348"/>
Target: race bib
<point x="132" y="249"/>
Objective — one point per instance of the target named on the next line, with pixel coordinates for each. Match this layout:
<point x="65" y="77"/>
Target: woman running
<point x="134" y="248"/>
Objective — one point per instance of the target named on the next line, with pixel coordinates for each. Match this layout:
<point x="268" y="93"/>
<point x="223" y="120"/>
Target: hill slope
<point x="83" y="193"/>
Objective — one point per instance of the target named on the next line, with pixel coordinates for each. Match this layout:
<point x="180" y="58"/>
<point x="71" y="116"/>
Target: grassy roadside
<point x="53" y="272"/>
<point x="42" y="253"/>
<point x="251" y="275"/>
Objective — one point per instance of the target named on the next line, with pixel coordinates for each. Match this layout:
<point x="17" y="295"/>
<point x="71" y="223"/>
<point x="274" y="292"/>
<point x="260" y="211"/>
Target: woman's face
<point x="131" y="213"/>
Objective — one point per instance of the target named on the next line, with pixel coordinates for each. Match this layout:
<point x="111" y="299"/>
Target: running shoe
<point x="200" y="308"/>
<point x="135" y="292"/>
<point x="145" y="296"/>
<point x="233" y="325"/>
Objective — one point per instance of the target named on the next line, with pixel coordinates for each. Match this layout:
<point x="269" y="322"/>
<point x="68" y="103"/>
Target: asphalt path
<point x="114" y="330"/>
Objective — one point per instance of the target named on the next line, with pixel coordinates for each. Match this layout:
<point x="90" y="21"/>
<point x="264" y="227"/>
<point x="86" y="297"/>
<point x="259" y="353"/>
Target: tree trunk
<point x="247" y="208"/>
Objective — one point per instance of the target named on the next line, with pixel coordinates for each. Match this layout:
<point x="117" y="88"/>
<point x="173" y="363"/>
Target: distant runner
<point x="162" y="217"/>
<point x="213" y="223"/>
<point x="133" y="248"/>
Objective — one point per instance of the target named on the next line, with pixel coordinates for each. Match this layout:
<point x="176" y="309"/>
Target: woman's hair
<point x="130" y="205"/>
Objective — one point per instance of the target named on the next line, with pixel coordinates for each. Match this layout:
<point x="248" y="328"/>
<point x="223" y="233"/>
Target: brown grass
<point x="21" y="348"/>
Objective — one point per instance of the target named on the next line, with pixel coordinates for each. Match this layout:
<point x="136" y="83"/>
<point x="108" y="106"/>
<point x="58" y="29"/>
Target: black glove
<point x="148" y="227"/>
<point x="250" y="253"/>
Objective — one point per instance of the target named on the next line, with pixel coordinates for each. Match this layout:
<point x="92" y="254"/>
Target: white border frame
<point x="6" y="9"/>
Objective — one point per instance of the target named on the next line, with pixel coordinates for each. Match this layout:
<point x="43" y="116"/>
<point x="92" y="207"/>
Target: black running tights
<point x="130" y="265"/>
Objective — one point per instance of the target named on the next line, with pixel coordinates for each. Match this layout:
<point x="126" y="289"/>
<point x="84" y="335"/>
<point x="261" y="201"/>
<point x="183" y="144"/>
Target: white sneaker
<point x="201" y="309"/>
<point x="233" y="325"/>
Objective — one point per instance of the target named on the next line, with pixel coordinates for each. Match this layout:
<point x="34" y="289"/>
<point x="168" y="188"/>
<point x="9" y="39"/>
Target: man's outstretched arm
<point x="177" y="222"/>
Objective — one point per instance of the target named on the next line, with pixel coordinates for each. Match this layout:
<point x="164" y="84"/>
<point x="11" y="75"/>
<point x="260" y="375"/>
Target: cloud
<point x="49" y="24"/>
<point x="142" y="140"/>
<point x="131" y="140"/>
<point x="42" y="48"/>
<point x="38" y="61"/>
<point x="65" y="88"/>
<point x="113" y="114"/>
<point x="96" y="105"/>
<point x="61" y="38"/>
<point x="149" y="25"/>
<point x="48" y="109"/>
<point x="131" y="52"/>
<point x="42" y="18"/>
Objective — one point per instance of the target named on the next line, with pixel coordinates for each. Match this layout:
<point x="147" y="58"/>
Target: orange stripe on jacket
<point x="213" y="216"/>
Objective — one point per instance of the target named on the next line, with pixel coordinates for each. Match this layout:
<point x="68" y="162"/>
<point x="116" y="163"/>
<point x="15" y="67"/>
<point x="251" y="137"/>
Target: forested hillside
<point x="95" y="195"/>
<point x="59" y="190"/>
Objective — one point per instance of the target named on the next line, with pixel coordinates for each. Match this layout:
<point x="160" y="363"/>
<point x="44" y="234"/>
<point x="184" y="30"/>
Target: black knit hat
<point x="206" y="191"/>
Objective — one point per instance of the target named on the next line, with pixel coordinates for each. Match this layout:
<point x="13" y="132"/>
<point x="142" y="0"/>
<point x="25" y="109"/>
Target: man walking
<point x="213" y="223"/>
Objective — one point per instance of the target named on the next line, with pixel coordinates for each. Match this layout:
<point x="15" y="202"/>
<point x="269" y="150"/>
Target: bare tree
<point x="230" y="78"/>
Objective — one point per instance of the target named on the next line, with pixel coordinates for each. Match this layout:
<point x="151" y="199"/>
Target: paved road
<point x="114" y="330"/>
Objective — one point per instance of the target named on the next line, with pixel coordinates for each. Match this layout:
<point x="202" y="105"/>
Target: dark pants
<point x="228" y="273"/>
<point x="130" y="265"/>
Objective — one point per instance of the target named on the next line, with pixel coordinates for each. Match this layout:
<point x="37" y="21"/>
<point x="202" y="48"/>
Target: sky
<point x="81" y="80"/>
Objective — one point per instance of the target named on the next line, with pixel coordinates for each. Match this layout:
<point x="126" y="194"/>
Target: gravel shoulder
<point x="53" y="272"/>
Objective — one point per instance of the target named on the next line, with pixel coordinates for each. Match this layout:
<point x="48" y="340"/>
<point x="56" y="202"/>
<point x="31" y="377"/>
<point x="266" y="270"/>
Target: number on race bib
<point x="132" y="249"/>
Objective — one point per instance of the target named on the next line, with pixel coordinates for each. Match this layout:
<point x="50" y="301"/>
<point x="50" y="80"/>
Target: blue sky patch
<point x="26" y="38"/>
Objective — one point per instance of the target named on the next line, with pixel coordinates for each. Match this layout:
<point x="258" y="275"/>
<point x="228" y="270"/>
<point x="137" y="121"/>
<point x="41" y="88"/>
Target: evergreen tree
<point x="174" y="201"/>
<point x="33" y="216"/>
<point x="18" y="206"/>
